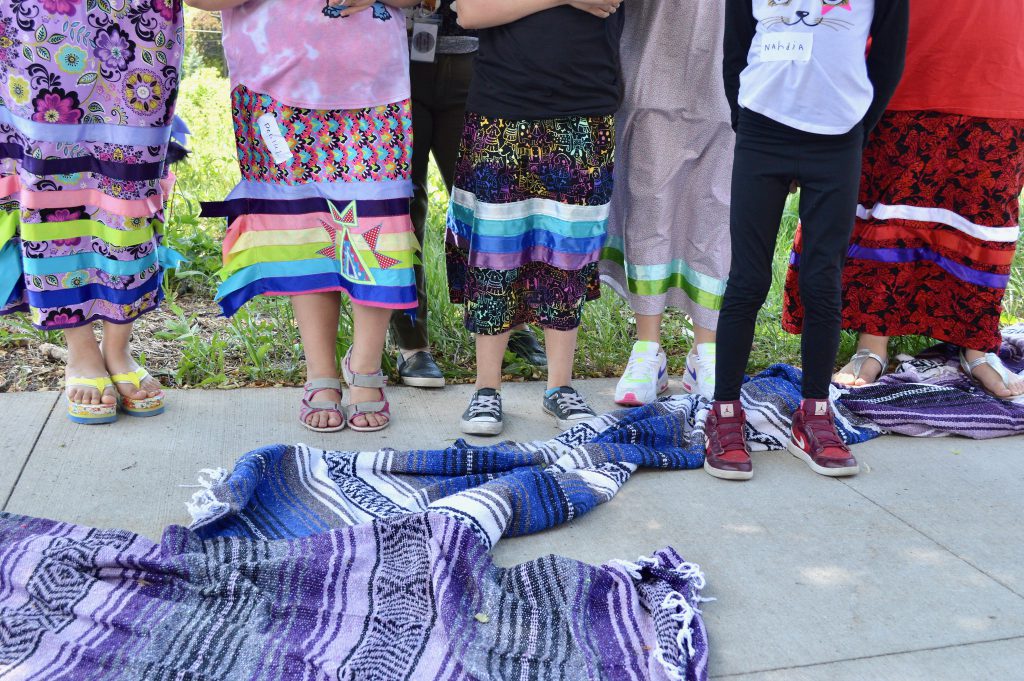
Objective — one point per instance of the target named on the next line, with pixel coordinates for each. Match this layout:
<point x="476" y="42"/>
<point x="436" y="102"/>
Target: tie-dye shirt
<point x="303" y="53"/>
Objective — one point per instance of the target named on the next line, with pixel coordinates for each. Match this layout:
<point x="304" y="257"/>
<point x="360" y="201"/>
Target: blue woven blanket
<point x="306" y="564"/>
<point x="509" y="489"/>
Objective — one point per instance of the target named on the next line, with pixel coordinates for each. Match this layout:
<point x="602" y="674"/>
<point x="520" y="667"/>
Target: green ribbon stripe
<point x="654" y="287"/>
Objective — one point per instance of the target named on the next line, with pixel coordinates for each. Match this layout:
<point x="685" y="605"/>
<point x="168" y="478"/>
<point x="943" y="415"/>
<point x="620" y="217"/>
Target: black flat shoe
<point x="524" y="345"/>
<point x="420" y="371"/>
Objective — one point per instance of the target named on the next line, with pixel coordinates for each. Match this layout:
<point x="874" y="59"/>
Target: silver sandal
<point x="862" y="356"/>
<point x="991" y="359"/>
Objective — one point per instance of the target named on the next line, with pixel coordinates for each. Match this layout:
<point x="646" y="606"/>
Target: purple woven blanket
<point x="413" y="597"/>
<point x="928" y="396"/>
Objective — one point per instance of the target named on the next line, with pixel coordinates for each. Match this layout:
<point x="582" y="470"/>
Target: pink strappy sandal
<point x="312" y="406"/>
<point x="382" y="407"/>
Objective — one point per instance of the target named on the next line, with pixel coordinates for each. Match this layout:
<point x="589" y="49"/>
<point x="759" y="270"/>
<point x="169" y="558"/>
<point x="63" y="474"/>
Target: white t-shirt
<point x="806" y="67"/>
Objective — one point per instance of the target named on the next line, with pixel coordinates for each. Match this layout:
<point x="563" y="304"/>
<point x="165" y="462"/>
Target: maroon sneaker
<point x="726" y="454"/>
<point x="815" y="440"/>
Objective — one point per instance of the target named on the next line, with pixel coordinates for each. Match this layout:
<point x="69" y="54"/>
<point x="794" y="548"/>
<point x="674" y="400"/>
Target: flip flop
<point x="991" y="359"/>
<point x="312" y="406"/>
<point x="147" y="406"/>
<point x="90" y="414"/>
<point x="381" y="406"/>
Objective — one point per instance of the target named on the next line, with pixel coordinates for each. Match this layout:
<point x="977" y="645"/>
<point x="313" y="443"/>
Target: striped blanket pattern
<point x="509" y="489"/>
<point x="304" y="564"/>
<point x="928" y="396"/>
<point x="411" y="597"/>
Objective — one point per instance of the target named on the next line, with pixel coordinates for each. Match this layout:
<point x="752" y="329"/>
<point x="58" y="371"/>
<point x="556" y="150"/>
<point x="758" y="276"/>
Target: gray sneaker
<point x="567" y="406"/>
<point x="483" y="415"/>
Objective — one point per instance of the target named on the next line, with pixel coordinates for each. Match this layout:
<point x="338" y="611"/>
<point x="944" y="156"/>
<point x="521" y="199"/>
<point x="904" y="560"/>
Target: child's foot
<point x="368" y="410"/>
<point x="989" y="372"/>
<point x="726" y="454"/>
<point x="321" y="406"/>
<point x="646" y="376"/>
<point x="87" y="394"/>
<point x="567" y="406"/>
<point x="699" y="377"/>
<point x="864" y="368"/>
<point x="815" y="440"/>
<point x="120" y="362"/>
<point x="483" y="415"/>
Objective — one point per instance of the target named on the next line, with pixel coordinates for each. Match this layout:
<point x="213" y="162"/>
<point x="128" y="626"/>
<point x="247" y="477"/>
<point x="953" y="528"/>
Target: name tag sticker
<point x="270" y="131"/>
<point x="787" y="46"/>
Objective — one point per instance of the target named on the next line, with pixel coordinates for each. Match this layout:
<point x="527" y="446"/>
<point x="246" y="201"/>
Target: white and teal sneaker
<point x="699" y="377"/>
<point x="646" y="376"/>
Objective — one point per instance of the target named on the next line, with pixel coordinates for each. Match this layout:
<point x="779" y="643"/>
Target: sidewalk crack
<point x="35" y="443"/>
<point x="935" y="541"/>
<point x="740" y="675"/>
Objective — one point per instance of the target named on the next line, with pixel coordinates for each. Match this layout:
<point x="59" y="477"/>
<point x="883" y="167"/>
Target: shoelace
<point x="640" y="367"/>
<point x="571" y="402"/>
<point x="485" y="405"/>
<point x="731" y="435"/>
<point x="824" y="432"/>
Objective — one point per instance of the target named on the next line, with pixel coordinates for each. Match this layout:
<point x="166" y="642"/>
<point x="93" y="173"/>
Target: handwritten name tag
<point x="787" y="46"/>
<point x="270" y="131"/>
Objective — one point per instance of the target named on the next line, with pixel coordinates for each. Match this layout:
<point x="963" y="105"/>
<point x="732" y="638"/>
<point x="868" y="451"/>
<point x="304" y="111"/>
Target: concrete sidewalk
<point x="913" y="570"/>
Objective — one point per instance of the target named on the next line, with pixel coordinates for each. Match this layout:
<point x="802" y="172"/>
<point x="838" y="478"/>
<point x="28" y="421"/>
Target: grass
<point x="261" y="344"/>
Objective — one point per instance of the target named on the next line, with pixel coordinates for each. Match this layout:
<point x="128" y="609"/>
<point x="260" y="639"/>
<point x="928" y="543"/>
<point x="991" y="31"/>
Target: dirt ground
<point x="28" y="365"/>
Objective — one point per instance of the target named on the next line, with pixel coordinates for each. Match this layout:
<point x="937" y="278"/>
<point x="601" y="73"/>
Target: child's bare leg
<point x="648" y="328"/>
<point x="317" y="316"/>
<point x="561" y="346"/>
<point x="702" y="335"/>
<point x="118" y="359"/>
<point x="490" y="353"/>
<point x="369" y="331"/>
<point x="85" y="361"/>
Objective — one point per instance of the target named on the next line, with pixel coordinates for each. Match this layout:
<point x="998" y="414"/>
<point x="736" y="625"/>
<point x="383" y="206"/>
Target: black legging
<point x="769" y="157"/>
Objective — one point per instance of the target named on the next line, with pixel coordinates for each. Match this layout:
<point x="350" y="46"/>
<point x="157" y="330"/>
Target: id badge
<point x="423" y="44"/>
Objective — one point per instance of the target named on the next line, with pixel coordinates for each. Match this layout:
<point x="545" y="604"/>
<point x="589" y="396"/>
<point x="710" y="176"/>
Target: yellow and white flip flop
<point x="91" y="414"/>
<point x="148" y="406"/>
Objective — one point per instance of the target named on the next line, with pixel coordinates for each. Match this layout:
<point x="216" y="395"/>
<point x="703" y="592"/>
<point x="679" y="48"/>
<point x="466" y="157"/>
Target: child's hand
<point x="599" y="8"/>
<point x="355" y="6"/>
<point x="214" y="5"/>
<point x="351" y="6"/>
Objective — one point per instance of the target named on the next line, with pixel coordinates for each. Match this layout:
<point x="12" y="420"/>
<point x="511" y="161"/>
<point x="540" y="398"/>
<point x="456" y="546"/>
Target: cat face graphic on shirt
<point x="811" y="13"/>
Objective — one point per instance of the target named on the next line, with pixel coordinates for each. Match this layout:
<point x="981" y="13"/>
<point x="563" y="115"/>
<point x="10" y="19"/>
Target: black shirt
<point x="449" y="23"/>
<point x="556" y="63"/>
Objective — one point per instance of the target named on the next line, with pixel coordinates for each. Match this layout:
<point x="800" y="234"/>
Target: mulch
<point x="30" y="366"/>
